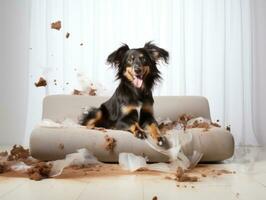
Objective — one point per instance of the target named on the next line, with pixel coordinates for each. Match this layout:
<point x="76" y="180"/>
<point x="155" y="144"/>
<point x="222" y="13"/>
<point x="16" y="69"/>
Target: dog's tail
<point x="90" y="116"/>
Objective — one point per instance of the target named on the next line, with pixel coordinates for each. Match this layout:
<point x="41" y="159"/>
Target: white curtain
<point x="209" y="42"/>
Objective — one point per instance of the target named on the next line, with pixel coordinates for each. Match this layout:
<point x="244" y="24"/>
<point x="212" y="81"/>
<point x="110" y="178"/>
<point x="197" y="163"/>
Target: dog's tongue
<point x="137" y="82"/>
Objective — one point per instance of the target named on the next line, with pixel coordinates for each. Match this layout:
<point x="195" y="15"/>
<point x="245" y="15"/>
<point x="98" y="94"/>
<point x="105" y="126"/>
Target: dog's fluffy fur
<point x="138" y="73"/>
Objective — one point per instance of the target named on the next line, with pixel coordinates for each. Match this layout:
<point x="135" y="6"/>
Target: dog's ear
<point x="156" y="53"/>
<point x="117" y="56"/>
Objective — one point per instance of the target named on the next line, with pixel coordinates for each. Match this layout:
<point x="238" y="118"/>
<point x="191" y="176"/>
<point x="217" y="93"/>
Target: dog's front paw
<point x="162" y="142"/>
<point x="140" y="134"/>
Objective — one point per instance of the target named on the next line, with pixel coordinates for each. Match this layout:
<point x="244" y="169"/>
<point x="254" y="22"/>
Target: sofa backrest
<point x="59" y="107"/>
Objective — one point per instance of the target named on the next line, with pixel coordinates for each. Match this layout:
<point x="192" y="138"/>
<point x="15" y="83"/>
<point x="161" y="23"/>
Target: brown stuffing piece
<point x="4" y="154"/>
<point x="18" y="153"/>
<point x="56" y="25"/>
<point x="61" y="146"/>
<point x="110" y="143"/>
<point x="3" y="167"/>
<point x="39" y="171"/>
<point x="155" y="198"/>
<point x="41" y="82"/>
<point x="92" y="91"/>
<point x="182" y="177"/>
<point x="67" y="35"/>
<point x="77" y="92"/>
<point x="165" y="127"/>
<point x="204" y="125"/>
<point x="183" y="119"/>
<point x="215" y="124"/>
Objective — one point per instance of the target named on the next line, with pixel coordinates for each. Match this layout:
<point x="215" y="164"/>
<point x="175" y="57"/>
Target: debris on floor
<point x="40" y="171"/>
<point x="3" y="153"/>
<point x="110" y="143"/>
<point x="81" y="158"/>
<point x="41" y="82"/>
<point x="67" y="35"/>
<point x="18" y="153"/>
<point x="3" y="167"/>
<point x="83" y="163"/>
<point x="56" y="25"/>
<point x="131" y="162"/>
<point x="181" y="176"/>
<point x="155" y="198"/>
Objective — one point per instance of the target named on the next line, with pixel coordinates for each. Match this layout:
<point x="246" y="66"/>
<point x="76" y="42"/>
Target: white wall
<point x="259" y="70"/>
<point x="14" y="54"/>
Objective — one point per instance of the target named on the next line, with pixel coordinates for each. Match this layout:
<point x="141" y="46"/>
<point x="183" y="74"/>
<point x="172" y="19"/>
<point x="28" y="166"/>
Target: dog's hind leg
<point x="149" y="124"/>
<point x="129" y="122"/>
<point x="91" y="118"/>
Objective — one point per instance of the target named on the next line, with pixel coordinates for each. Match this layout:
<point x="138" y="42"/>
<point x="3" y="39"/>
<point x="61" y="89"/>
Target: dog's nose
<point x="137" y="70"/>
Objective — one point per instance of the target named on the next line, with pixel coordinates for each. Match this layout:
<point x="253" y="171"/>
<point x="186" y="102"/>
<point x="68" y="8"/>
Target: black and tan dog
<point x="131" y="106"/>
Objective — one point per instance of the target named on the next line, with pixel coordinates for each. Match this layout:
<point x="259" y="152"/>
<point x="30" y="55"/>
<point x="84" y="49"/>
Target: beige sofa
<point x="217" y="144"/>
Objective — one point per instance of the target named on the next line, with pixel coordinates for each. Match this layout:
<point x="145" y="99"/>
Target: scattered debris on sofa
<point x="181" y="167"/>
<point x="67" y="35"/>
<point x="110" y="143"/>
<point x="186" y="122"/>
<point x="41" y="82"/>
<point x="56" y="25"/>
<point x="183" y="120"/>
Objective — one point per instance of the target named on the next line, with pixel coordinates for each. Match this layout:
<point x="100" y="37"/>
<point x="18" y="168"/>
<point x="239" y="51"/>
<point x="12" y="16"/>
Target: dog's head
<point x="138" y="66"/>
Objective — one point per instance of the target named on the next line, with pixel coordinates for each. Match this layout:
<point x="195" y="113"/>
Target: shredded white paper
<point x="20" y="166"/>
<point x="177" y="158"/>
<point x="82" y="157"/>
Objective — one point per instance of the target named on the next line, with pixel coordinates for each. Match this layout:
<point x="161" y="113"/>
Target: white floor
<point x="249" y="182"/>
